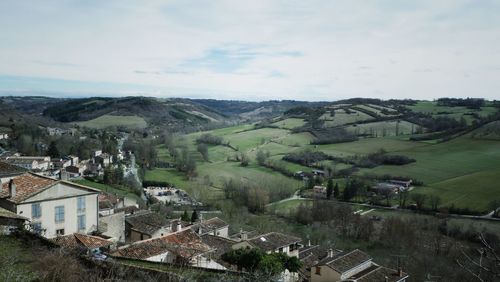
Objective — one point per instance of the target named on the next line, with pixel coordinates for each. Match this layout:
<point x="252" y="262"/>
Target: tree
<point x="53" y="152"/>
<point x="203" y="150"/>
<point x="419" y="200"/>
<point x="194" y="216"/>
<point x="435" y="202"/>
<point x="271" y="264"/>
<point x="261" y="157"/>
<point x="244" y="160"/>
<point x="185" y="216"/>
<point x="336" y="192"/>
<point x="329" y="189"/>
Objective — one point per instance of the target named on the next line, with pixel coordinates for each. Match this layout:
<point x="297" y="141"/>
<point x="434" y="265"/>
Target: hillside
<point x="443" y="165"/>
<point x="96" y="112"/>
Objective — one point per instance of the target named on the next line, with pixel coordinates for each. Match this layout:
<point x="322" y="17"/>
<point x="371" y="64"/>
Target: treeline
<point x="382" y="158"/>
<point x="471" y="103"/>
<point x="335" y="214"/>
<point x="256" y="195"/>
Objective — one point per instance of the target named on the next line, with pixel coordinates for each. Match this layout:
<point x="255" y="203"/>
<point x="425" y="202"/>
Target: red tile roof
<point x="185" y="244"/>
<point x="77" y="240"/>
<point x="27" y="185"/>
<point x="30" y="184"/>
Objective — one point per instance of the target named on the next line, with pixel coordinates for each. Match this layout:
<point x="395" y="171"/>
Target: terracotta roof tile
<point x="77" y="240"/>
<point x="185" y="244"/>
<point x="27" y="185"/>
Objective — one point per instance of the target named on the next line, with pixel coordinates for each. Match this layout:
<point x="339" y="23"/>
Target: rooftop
<point x="273" y="240"/>
<point x="343" y="262"/>
<point x="381" y="273"/>
<point x="77" y="240"/>
<point x="30" y="184"/>
<point x="8" y="170"/>
<point x="8" y="214"/>
<point x="209" y="225"/>
<point x="147" y="222"/>
<point x="185" y="244"/>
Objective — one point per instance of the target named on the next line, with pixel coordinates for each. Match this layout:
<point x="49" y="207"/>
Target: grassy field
<point x="105" y="121"/>
<point x="452" y="112"/>
<point x="341" y="117"/>
<point x="383" y="128"/>
<point x="290" y="123"/>
<point x="463" y="172"/>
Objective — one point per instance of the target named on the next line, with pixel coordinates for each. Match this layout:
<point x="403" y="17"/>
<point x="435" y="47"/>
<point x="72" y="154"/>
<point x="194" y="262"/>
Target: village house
<point x="404" y="183"/>
<point x="273" y="242"/>
<point x="104" y="159"/>
<point x="183" y="247"/>
<point x="213" y="226"/>
<point x="220" y="246"/>
<point x="352" y="266"/>
<point x="8" y="171"/>
<point x="30" y="162"/>
<point x="319" y="191"/>
<point x="59" y="163"/>
<point x="145" y="225"/>
<point x="383" y="188"/>
<point x="54" y="207"/>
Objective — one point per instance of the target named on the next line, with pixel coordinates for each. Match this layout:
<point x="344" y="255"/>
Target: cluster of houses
<point x="392" y="186"/>
<point x="76" y="216"/>
<point x="66" y="168"/>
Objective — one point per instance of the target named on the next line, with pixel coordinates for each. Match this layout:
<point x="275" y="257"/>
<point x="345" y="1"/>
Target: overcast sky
<point x="251" y="50"/>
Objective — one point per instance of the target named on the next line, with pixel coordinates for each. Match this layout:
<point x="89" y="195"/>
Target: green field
<point x="341" y="117"/>
<point x="105" y="121"/>
<point x="383" y="128"/>
<point x="452" y="112"/>
<point x="464" y="171"/>
<point x="290" y="123"/>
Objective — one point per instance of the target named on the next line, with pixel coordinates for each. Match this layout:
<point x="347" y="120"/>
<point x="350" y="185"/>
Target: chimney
<point x="201" y="217"/>
<point x="12" y="188"/>
<point x="386" y="279"/>
<point x="330" y="253"/>
<point x="400" y="272"/>
<point x="179" y="225"/>
<point x="308" y="243"/>
<point x="243" y="235"/>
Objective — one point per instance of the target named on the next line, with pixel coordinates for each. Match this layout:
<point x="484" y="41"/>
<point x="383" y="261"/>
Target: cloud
<point x="322" y="50"/>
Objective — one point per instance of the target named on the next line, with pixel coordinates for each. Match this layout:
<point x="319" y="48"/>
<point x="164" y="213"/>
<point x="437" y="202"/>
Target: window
<point x="280" y="250"/>
<point x="81" y="204"/>
<point x="81" y="222"/>
<point x="318" y="270"/>
<point x="36" y="210"/>
<point x="59" y="214"/>
<point x="60" y="232"/>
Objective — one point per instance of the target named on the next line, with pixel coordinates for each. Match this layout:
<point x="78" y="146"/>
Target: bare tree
<point x="482" y="263"/>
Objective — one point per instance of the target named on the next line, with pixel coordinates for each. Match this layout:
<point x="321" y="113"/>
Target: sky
<point x="251" y="50"/>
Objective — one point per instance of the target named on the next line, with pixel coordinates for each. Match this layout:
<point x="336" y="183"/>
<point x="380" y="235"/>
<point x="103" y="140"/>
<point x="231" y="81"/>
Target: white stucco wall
<point x="62" y="195"/>
<point x="115" y="226"/>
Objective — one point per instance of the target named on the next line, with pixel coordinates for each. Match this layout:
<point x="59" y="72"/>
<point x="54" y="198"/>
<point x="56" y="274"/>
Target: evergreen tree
<point x="194" y="216"/>
<point x="53" y="152"/>
<point x="336" y="192"/>
<point x="329" y="189"/>
<point x="185" y="216"/>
